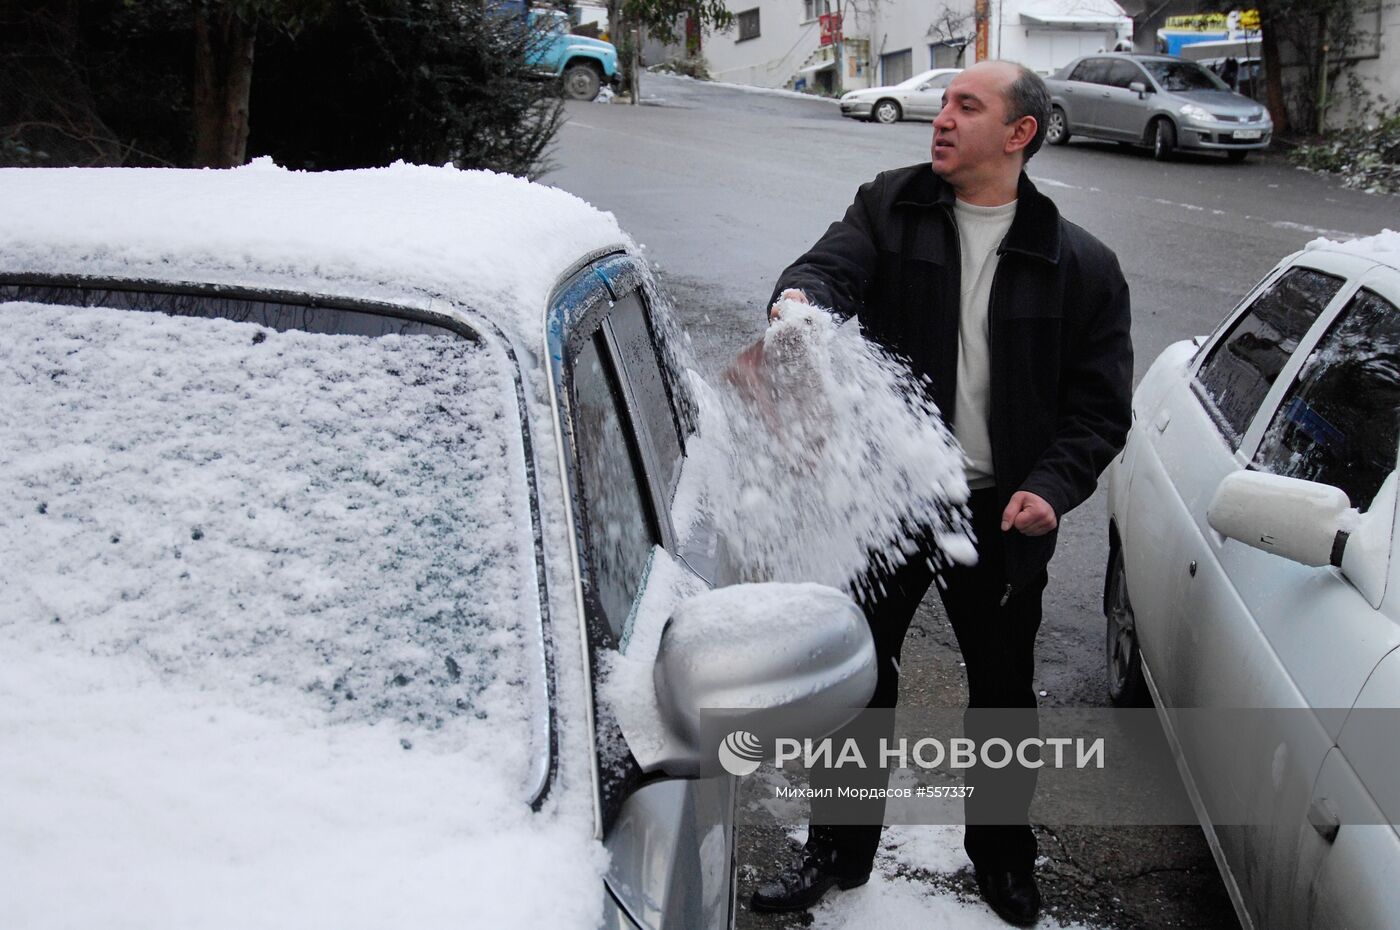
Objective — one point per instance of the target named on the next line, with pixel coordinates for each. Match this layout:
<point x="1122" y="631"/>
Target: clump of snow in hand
<point x="267" y="631"/>
<point x="1384" y="246"/>
<point x="817" y="450"/>
<point x="494" y="242"/>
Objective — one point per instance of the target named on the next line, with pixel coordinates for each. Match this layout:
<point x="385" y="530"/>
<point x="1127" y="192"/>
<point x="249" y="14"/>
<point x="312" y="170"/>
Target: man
<point x="1019" y="320"/>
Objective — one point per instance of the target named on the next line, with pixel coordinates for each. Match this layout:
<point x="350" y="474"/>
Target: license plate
<point x="1249" y="134"/>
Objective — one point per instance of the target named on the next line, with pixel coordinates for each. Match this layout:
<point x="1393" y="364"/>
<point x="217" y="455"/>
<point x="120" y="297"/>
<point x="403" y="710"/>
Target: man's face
<point x="970" y="133"/>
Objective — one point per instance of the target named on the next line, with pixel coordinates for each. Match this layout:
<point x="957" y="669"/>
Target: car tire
<point x="886" y="111"/>
<point x="1127" y="686"/>
<point x="1163" y="139"/>
<point x="1057" y="127"/>
<point x="1236" y="156"/>
<point x="581" y="82"/>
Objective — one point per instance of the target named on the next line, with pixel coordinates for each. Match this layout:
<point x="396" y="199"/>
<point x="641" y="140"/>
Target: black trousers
<point x="998" y="647"/>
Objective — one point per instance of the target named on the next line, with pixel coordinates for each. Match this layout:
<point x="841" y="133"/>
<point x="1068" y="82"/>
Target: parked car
<point x="1161" y="101"/>
<point x="330" y="506"/>
<point x="581" y="63"/>
<point x="919" y="98"/>
<point x="1253" y="565"/>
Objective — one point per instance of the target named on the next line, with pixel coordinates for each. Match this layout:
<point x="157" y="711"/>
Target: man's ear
<point x="1022" y="132"/>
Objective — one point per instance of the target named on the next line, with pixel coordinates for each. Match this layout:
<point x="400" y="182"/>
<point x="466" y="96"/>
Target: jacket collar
<point x="1035" y="231"/>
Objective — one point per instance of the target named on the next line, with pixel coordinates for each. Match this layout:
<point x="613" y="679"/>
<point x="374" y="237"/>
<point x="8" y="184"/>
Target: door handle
<point x="1323" y="817"/>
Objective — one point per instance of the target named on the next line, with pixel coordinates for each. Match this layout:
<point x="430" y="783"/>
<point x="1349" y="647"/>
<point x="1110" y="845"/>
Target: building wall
<point x="1013" y="36"/>
<point x="1379" y="77"/>
<point x="787" y="43"/>
<point x="784" y="44"/>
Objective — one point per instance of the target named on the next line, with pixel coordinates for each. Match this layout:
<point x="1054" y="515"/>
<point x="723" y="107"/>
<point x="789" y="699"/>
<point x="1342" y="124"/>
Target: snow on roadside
<point x="748" y="88"/>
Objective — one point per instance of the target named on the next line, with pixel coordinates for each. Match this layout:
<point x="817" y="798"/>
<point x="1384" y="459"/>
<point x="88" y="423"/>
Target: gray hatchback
<point x="1156" y="100"/>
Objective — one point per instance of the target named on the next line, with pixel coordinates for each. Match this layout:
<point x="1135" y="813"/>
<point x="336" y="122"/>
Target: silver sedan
<point x="920" y="97"/>
<point x="1155" y="100"/>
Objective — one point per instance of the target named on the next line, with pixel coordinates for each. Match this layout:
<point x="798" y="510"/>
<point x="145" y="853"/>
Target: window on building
<point x="811" y="9"/>
<point x="896" y="67"/>
<point x="748" y="24"/>
<point x="944" y="55"/>
<point x="1244" y="364"/>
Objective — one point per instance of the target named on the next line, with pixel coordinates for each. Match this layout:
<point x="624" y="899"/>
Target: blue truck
<point x="582" y="65"/>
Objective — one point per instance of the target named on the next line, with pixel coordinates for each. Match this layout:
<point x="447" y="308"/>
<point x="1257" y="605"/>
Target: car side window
<point x="650" y="390"/>
<point x="1091" y="71"/>
<point x="1340" y="422"/>
<point x="1123" y="73"/>
<point x="620" y="528"/>
<point x="1246" y="361"/>
<point x="940" y="81"/>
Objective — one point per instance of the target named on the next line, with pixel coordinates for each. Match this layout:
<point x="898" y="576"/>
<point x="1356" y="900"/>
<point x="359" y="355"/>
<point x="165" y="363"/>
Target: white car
<point x="339" y="582"/>
<point x="919" y="98"/>
<point x="1252" y="590"/>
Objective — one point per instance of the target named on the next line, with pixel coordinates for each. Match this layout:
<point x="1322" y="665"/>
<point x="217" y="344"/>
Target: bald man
<point x="1019" y="321"/>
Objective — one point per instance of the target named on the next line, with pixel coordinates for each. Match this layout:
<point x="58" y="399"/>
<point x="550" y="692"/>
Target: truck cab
<point x="582" y="64"/>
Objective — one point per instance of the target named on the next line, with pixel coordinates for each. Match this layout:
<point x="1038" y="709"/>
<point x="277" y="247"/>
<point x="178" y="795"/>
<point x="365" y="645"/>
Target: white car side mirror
<point x="1300" y="520"/>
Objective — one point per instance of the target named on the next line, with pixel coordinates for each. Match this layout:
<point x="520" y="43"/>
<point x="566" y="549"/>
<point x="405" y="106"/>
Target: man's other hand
<point x="1029" y="513"/>
<point x="791" y="293"/>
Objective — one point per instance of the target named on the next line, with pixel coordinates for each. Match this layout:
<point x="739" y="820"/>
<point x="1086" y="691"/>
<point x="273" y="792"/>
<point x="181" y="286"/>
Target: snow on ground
<point x="493" y="241"/>
<point x="267" y="633"/>
<point x="897" y="897"/>
<point x="750" y="88"/>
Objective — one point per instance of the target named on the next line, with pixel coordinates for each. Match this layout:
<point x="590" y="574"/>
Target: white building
<point x="1376" y="64"/>
<point x="777" y="43"/>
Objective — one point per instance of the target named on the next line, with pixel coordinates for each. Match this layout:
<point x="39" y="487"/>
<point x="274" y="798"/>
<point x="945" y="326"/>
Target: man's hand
<point x="791" y="293"/>
<point x="1029" y="513"/>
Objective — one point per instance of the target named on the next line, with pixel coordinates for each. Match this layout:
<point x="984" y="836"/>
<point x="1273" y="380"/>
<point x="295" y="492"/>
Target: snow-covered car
<point x="337" y="556"/>
<point x="1250" y="590"/>
<point x="1160" y="101"/>
<point x="918" y="98"/>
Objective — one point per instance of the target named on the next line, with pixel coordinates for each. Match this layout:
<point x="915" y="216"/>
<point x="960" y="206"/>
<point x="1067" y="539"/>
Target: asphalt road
<point x="725" y="187"/>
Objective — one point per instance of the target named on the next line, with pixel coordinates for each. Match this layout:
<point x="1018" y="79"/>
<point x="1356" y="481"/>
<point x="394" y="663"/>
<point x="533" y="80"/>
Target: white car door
<point x="926" y="100"/>
<point x="1256" y="630"/>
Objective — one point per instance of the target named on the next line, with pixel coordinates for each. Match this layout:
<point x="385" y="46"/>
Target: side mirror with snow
<point x="795" y="660"/>
<point x="1300" y="520"/>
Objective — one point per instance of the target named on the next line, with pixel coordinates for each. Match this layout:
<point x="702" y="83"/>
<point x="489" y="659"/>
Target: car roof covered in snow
<point x="401" y="234"/>
<point x="1382" y="248"/>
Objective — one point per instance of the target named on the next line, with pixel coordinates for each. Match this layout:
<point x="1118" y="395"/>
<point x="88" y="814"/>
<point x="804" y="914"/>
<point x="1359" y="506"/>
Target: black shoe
<point x="1013" y="895"/>
<point x="799" y="887"/>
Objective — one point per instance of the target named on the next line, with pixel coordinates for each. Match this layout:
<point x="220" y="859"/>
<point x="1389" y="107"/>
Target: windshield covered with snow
<point x="258" y="585"/>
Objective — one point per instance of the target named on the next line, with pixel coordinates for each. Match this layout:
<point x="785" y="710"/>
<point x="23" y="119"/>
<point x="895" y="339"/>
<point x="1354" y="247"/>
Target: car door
<point x="926" y="100"/>
<point x="1083" y="90"/>
<point x="1256" y="630"/>
<point x="1121" y="114"/>
<point x="671" y="841"/>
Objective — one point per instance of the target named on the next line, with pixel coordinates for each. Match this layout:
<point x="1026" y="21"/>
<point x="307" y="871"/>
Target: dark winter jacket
<point x="1061" y="355"/>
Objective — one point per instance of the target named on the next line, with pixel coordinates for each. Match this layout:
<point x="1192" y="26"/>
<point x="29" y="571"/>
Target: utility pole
<point x="839" y="40"/>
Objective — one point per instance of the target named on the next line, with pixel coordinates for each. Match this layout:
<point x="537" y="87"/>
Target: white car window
<point x="1244" y="364"/>
<point x="617" y="514"/>
<point x="1339" y="423"/>
<point x="650" y="391"/>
